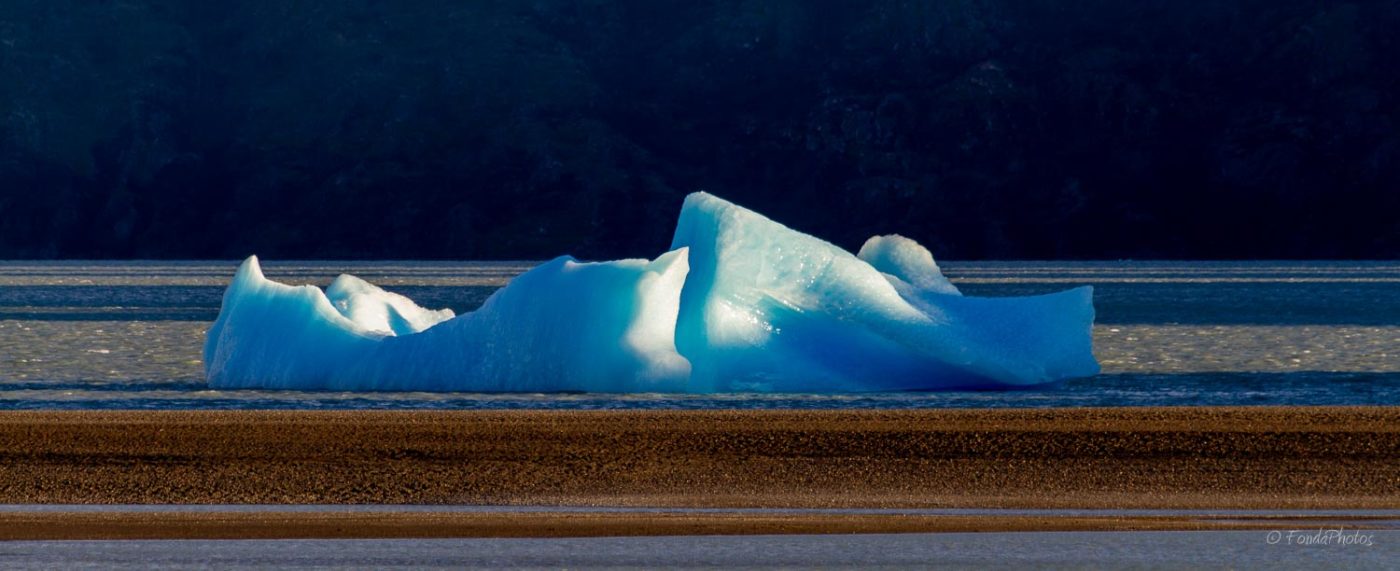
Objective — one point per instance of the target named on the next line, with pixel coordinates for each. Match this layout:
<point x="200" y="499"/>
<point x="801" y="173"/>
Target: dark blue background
<point x="525" y="129"/>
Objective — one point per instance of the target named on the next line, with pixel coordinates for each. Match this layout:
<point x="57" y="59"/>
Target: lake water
<point x="128" y="335"/>
<point x="1018" y="550"/>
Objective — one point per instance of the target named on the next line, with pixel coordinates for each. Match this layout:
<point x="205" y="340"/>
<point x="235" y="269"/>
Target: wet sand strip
<point x="389" y="525"/>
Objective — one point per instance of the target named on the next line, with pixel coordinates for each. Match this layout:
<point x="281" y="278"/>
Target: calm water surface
<point x="128" y="335"/>
<point x="1020" y="550"/>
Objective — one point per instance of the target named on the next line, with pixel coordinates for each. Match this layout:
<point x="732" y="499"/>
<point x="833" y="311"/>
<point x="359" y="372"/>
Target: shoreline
<point x="1113" y="458"/>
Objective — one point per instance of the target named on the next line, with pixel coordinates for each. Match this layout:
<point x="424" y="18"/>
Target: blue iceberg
<point x="740" y="303"/>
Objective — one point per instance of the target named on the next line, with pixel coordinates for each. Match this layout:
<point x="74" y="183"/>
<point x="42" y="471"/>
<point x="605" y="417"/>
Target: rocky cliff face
<point x="986" y="128"/>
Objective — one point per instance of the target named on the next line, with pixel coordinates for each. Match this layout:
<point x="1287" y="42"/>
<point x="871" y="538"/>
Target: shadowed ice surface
<point x="128" y="335"/>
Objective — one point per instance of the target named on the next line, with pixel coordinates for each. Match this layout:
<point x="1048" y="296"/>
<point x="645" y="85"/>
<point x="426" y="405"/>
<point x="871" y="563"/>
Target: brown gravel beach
<point x="1079" y="458"/>
<point x="1262" y="458"/>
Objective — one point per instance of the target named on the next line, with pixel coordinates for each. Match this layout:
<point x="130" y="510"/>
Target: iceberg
<point x="740" y="303"/>
<point x="562" y="326"/>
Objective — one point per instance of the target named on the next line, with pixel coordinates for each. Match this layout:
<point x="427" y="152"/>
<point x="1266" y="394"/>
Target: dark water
<point x="124" y="335"/>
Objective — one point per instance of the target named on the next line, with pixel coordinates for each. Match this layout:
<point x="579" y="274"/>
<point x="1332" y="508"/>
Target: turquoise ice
<point x="739" y="303"/>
